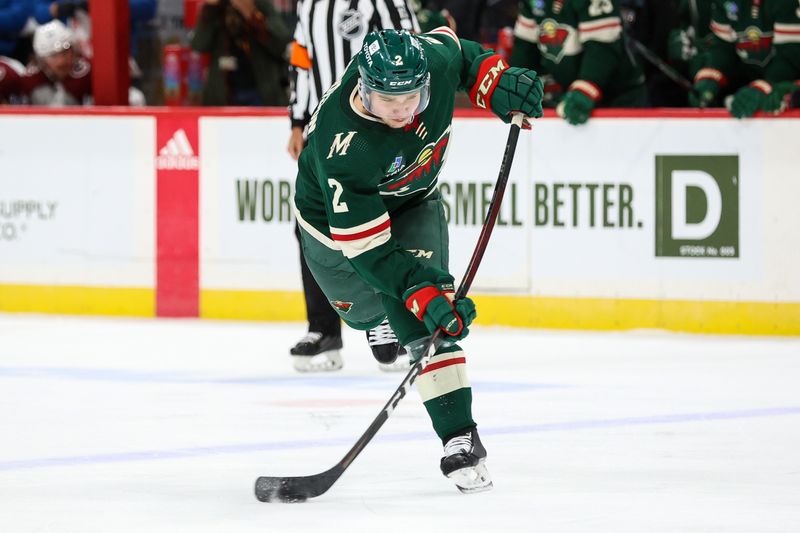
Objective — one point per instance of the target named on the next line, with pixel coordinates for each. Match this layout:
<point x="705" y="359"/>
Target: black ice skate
<point x="386" y="349"/>
<point x="464" y="462"/>
<point x="317" y="353"/>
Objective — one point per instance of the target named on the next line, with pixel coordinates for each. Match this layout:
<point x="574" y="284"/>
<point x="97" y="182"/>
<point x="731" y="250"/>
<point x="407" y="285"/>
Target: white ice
<point x="121" y="425"/>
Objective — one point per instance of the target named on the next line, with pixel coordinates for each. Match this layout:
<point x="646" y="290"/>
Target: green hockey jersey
<point x="754" y="39"/>
<point x="356" y="172"/>
<point x="578" y="40"/>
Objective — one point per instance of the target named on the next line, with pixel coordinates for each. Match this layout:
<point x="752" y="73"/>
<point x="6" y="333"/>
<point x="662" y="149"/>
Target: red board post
<point x="111" y="45"/>
<point x="177" y="222"/>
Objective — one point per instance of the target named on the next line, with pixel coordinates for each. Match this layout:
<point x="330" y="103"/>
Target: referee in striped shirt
<point x="329" y="33"/>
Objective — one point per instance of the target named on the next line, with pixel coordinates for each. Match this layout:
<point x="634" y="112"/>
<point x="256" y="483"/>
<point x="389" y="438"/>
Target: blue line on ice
<point x="200" y="451"/>
<point x="175" y="378"/>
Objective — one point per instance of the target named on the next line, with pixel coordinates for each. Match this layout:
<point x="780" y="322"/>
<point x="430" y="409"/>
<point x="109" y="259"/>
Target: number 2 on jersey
<point x="338" y="205"/>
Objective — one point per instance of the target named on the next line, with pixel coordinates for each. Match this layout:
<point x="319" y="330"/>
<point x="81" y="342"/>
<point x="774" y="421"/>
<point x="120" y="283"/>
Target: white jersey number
<point x="338" y="205"/>
<point x="600" y="7"/>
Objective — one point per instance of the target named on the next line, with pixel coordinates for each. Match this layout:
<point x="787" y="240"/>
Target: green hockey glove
<point x="749" y="99"/>
<point x="506" y="90"/>
<point x="707" y="84"/>
<point x="680" y="44"/>
<point x="578" y="103"/>
<point x="519" y="89"/>
<point x="705" y="92"/>
<point x="775" y="102"/>
<point x="432" y="303"/>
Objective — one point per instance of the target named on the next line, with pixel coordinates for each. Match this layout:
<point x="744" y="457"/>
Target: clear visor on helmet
<point x="395" y="104"/>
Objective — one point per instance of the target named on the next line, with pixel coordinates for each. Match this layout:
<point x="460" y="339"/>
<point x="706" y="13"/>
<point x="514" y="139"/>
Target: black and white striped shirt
<point x="329" y="33"/>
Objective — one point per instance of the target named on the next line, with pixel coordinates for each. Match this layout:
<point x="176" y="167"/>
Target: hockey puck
<point x="276" y="490"/>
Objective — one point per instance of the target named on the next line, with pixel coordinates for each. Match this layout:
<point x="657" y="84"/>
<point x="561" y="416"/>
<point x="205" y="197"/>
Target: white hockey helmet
<point x="52" y="38"/>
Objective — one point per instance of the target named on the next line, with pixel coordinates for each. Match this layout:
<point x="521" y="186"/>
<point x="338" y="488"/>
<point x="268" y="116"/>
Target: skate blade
<point x="401" y="364"/>
<point x="322" y="362"/>
<point x="472" y="479"/>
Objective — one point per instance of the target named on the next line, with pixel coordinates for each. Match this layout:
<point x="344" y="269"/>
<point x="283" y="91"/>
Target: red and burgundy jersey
<point x="75" y="89"/>
<point x="10" y="73"/>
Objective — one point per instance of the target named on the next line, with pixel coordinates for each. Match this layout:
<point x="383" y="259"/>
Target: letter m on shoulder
<point x="340" y="144"/>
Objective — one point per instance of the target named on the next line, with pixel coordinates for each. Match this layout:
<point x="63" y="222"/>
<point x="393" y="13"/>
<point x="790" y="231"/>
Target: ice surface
<point x="119" y="425"/>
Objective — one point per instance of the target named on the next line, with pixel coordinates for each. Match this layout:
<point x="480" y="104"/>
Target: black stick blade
<point x="295" y="489"/>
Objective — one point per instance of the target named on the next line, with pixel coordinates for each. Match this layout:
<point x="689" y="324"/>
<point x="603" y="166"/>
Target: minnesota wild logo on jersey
<point x="421" y="173"/>
<point x="553" y="40"/>
<point x="344" y="307"/>
<point x="755" y="46"/>
<point x="748" y="25"/>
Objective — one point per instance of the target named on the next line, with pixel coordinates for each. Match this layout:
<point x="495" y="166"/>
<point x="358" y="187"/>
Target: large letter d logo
<point x="681" y="227"/>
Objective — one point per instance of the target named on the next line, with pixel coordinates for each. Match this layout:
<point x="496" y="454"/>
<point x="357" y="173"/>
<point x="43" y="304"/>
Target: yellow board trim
<point x="276" y="306"/>
<point x="76" y="300"/>
<point x="749" y="318"/>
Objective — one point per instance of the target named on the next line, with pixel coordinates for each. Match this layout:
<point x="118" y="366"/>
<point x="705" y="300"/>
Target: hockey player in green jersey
<point x="756" y="49"/>
<point x="579" y="43"/>
<point x="372" y="221"/>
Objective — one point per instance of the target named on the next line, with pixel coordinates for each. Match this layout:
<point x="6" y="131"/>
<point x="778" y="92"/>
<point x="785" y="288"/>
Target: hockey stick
<point x="300" y="488"/>
<point x="660" y="64"/>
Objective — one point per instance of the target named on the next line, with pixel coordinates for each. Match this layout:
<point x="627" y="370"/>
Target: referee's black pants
<point x="321" y="315"/>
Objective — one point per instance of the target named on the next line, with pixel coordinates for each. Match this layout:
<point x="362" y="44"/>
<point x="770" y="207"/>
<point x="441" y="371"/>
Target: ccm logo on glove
<point x="491" y="68"/>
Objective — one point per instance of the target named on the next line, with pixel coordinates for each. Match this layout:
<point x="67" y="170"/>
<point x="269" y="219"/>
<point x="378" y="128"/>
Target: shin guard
<point x="445" y="391"/>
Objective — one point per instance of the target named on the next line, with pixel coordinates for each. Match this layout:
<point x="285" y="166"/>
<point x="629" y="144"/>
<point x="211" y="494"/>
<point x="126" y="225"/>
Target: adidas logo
<point x="177" y="154"/>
